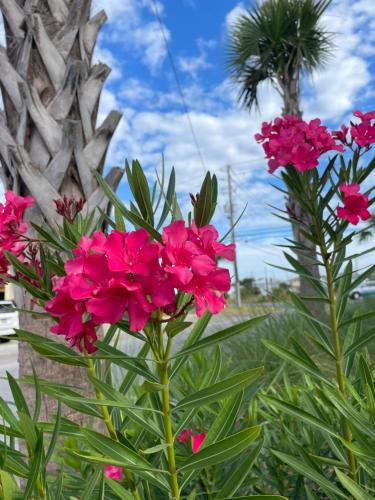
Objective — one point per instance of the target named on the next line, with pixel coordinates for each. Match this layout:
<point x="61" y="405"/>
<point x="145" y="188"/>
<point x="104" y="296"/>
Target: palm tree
<point x="49" y="140"/>
<point x="278" y="41"/>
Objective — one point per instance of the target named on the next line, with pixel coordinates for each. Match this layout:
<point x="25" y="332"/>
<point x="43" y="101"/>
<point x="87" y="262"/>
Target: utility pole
<point x="233" y="235"/>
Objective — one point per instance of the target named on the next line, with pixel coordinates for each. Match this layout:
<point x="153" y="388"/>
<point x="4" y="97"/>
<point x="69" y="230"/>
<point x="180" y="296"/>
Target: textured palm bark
<point x="290" y="87"/>
<point x="50" y="143"/>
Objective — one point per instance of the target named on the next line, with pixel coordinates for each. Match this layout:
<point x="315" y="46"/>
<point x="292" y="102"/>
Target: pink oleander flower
<point x="189" y="257"/>
<point x="292" y="141"/>
<point x="355" y="204"/>
<point x="184" y="435"/>
<point x="113" y="472"/>
<point x="195" y="439"/>
<point x="363" y="133"/>
<point x="12" y="226"/>
<point x="342" y="134"/>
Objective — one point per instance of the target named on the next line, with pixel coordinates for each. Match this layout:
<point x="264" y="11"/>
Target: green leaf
<point x="357" y="318"/>
<point x="220" y="390"/>
<point x="303" y="271"/>
<point x="204" y="206"/>
<point x="294" y="411"/>
<point x="28" y="271"/>
<point x="225" y="419"/>
<point x="308" y="472"/>
<point x="120" y="223"/>
<point x="238" y="476"/>
<point x="152" y="386"/>
<point x="344" y="407"/>
<point x="88" y="492"/>
<point x="353" y="488"/>
<point x="168" y="197"/>
<point x="38" y="396"/>
<point x="222" y="335"/>
<point x="8" y="486"/>
<point x="35" y="468"/>
<point x="361" y="342"/>
<point x="9" y="417"/>
<point x="314" y="323"/>
<point x="118" y="489"/>
<point x="55" y="435"/>
<point x="50" y="349"/>
<point x="141" y="191"/>
<point x="258" y="497"/>
<point x="130" y="216"/>
<point x="221" y="451"/>
<point x="121" y="455"/>
<point x="131" y="375"/>
<point x="121" y="359"/>
<point x="18" y="397"/>
<point x="196" y="333"/>
<point x="175" y="327"/>
<point x="296" y="360"/>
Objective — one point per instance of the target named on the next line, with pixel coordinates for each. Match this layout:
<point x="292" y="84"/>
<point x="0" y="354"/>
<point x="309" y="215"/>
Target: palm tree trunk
<point x="49" y="140"/>
<point x="307" y="257"/>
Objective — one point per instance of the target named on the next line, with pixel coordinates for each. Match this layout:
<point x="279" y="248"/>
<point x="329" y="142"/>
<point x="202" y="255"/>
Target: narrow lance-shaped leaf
<point x="222" y="451"/>
<point x="222" y="336"/>
<point x="238" y="476"/>
<point x="220" y="390"/>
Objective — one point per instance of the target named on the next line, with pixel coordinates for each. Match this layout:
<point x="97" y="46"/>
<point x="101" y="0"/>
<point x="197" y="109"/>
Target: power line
<point x="178" y="83"/>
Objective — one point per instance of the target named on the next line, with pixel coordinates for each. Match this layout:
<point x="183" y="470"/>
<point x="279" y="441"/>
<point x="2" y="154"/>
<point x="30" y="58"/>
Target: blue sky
<point x="143" y="87"/>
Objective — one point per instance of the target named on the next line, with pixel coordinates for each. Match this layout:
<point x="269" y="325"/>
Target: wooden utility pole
<point x="233" y="236"/>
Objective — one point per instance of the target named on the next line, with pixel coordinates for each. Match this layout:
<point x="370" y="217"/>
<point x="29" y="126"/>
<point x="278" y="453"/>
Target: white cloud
<point x="335" y="89"/>
<point x="193" y="64"/>
<point x="233" y="15"/>
<point x="130" y="25"/>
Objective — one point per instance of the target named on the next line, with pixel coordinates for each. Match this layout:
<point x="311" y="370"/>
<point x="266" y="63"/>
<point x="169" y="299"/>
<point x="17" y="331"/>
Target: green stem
<point x="164" y="380"/>
<point x="110" y="427"/>
<point x="338" y="356"/>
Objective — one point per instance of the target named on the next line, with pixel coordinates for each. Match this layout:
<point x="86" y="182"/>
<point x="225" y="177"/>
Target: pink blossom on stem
<point x="113" y="472"/>
<point x="355" y="204"/>
<point x="292" y="141"/>
<point x="184" y="435"/>
<point x="12" y="226"/>
<point x="195" y="439"/>
<point x="190" y="256"/>
<point x="363" y="133"/>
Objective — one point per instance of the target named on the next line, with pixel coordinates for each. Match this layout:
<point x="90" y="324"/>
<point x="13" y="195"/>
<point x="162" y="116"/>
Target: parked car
<point x="8" y="318"/>
<point x="367" y="288"/>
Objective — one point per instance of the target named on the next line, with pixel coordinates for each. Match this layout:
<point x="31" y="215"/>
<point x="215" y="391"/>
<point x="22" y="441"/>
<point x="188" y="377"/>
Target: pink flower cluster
<point x="196" y="439"/>
<point x="362" y="133"/>
<point x="292" y="141"/>
<point x="12" y="226"/>
<point x="113" y="472"/>
<point x="355" y="204"/>
<point x="126" y="273"/>
<point x="189" y="258"/>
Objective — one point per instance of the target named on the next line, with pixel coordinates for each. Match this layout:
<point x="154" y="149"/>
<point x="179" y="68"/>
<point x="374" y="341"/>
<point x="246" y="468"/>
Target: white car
<point x="8" y="318"/>
<point x="367" y="288"/>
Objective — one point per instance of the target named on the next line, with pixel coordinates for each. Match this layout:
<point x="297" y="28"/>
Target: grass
<point x="248" y="350"/>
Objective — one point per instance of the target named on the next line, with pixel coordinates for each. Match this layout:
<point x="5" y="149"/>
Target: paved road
<point x="8" y="362"/>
